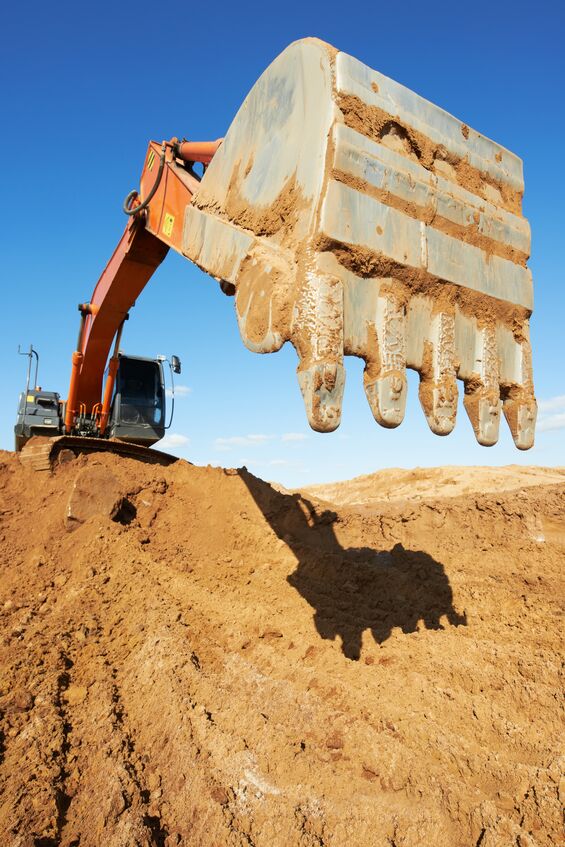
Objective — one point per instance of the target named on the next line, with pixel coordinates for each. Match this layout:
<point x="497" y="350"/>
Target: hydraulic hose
<point x="133" y="194"/>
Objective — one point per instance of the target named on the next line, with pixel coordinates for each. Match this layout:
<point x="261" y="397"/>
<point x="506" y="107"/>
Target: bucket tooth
<point x="261" y="293"/>
<point x="321" y="384"/>
<point x="387" y="398"/>
<point x="520" y="414"/>
<point x="483" y="407"/>
<point x="520" y="407"/>
<point x="482" y="393"/>
<point x="317" y="335"/>
<point x="385" y="371"/>
<point x="438" y="384"/>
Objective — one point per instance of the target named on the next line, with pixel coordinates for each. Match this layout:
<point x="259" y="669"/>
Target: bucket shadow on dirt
<point x="355" y="589"/>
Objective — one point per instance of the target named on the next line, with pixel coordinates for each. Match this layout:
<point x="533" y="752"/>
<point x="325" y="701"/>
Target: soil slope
<point x="190" y="656"/>
<point x="421" y="483"/>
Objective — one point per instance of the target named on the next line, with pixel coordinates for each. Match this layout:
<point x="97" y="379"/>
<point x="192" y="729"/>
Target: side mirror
<point x="175" y="364"/>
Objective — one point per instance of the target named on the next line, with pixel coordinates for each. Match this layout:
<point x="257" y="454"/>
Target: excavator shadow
<point x="357" y="588"/>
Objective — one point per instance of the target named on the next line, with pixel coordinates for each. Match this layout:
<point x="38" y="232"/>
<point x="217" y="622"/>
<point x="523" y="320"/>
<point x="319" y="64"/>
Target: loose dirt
<point x="192" y="656"/>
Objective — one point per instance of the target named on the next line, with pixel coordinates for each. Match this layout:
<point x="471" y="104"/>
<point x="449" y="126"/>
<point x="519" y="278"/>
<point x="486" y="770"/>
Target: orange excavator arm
<point x="156" y="219"/>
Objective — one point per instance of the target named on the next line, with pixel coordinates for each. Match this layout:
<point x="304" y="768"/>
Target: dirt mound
<point x="420" y="483"/>
<point x="192" y="657"/>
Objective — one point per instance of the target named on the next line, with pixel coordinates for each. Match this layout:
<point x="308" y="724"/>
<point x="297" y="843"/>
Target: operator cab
<point x="39" y="413"/>
<point x="138" y="407"/>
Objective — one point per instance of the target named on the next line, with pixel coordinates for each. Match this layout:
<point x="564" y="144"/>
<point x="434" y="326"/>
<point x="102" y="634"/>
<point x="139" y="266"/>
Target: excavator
<point x="345" y="214"/>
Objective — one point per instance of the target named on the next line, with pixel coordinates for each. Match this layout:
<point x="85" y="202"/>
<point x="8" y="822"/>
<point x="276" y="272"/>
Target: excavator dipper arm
<point x="167" y="184"/>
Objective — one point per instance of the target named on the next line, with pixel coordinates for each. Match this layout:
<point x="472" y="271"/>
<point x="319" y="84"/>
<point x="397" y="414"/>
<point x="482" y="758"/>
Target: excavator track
<point x="42" y="453"/>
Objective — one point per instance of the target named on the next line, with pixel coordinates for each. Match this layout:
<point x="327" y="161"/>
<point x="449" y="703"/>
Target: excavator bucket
<point x="351" y="216"/>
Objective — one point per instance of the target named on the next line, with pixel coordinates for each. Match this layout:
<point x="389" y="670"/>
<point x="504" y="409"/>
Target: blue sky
<point x="84" y="88"/>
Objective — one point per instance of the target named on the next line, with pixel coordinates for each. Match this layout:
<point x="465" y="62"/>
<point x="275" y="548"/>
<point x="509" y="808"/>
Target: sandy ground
<point x="190" y="656"/>
<point x="420" y="483"/>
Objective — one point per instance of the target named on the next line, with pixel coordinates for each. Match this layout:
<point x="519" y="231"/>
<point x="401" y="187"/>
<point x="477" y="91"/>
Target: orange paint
<point x="142" y="247"/>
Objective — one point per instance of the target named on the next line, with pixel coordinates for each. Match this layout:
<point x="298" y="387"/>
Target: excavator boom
<point x="168" y="183"/>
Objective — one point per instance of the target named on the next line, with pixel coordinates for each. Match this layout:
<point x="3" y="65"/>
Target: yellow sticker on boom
<point x="168" y="224"/>
<point x="150" y="160"/>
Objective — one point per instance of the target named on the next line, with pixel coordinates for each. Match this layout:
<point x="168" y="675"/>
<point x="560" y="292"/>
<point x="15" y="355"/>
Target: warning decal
<point x="168" y="223"/>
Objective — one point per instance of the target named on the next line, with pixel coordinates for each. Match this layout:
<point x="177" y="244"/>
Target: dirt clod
<point x="95" y="491"/>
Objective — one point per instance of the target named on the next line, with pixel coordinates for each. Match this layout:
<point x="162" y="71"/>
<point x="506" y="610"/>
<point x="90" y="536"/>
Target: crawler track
<point x="41" y="453"/>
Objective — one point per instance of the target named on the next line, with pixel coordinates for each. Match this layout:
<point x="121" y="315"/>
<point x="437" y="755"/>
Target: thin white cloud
<point x="554" y="404"/>
<point x="264" y="463"/>
<point x="293" y="436"/>
<point x="174" y="439"/>
<point x="180" y="391"/>
<point x="552" y="422"/>
<point x="551" y="413"/>
<point x="254" y="439"/>
<point x="226" y="443"/>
